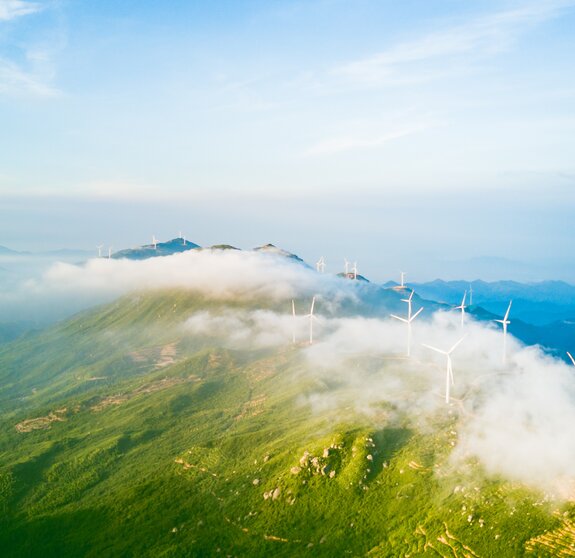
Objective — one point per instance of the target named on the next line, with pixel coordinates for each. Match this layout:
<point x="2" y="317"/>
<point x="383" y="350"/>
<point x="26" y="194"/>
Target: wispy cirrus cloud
<point x="370" y="137"/>
<point x="11" y="9"/>
<point x="31" y="72"/>
<point x="18" y="81"/>
<point x="412" y="61"/>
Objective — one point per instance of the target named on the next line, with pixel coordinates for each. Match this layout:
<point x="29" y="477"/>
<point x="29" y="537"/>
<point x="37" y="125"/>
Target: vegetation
<point x="123" y="435"/>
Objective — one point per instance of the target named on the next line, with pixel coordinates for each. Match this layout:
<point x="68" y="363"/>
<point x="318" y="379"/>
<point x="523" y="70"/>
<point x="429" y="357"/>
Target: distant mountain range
<point x="542" y="313"/>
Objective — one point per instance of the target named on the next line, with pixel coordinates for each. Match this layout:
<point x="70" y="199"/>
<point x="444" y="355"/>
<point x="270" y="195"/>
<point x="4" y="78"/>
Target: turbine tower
<point x="293" y="322"/>
<point x="354" y="270"/>
<point x="505" y="322"/>
<point x="154" y="242"/>
<point x="320" y="265"/>
<point x="403" y="274"/>
<point x="110" y="251"/>
<point x="449" y="370"/>
<point x="311" y="319"/>
<point x="99" y="247"/>
<point x="346" y="267"/>
<point x="408" y="321"/>
<point x="462" y="307"/>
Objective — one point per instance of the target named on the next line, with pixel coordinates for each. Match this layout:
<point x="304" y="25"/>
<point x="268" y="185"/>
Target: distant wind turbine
<point x="409" y="319"/>
<point x="110" y="251"/>
<point x="449" y="370"/>
<point x="403" y="274"/>
<point x="462" y="307"/>
<point x="354" y="270"/>
<point x="505" y="322"/>
<point x="311" y="319"/>
<point x="99" y="247"/>
<point x="154" y="242"/>
<point x="571" y="357"/>
<point x="320" y="265"/>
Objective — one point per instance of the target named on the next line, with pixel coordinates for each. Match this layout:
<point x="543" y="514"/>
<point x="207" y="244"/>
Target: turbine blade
<point x="508" y="309"/>
<point x="312" y="305"/>
<point x="571" y="357"/>
<point x="416" y="314"/>
<point x="398" y="318"/>
<point x="435" y="349"/>
<point x="456" y="344"/>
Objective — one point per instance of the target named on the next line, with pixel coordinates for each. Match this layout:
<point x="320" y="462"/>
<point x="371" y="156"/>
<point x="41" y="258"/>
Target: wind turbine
<point x="346" y="267"/>
<point x="320" y="265"/>
<point x="99" y="247"/>
<point x="449" y="370"/>
<point x="110" y="252"/>
<point x="311" y="319"/>
<point x="402" y="279"/>
<point x="154" y="242"/>
<point x="354" y="270"/>
<point x="293" y="322"/>
<point x="462" y="307"/>
<point x="505" y="322"/>
<point x="571" y="357"/>
<point x="184" y="239"/>
<point x="408" y="321"/>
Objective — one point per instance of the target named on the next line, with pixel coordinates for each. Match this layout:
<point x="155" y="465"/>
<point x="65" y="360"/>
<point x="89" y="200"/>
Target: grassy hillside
<point x="124" y="435"/>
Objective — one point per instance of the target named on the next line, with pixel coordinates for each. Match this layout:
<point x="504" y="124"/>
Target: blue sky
<point x="401" y="134"/>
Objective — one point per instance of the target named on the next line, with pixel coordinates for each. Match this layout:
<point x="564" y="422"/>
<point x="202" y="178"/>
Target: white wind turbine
<point x="346" y="267"/>
<point x="409" y="319"/>
<point x="571" y="357"/>
<point x="462" y="307"/>
<point x="99" y="247"/>
<point x="449" y="370"/>
<point x="110" y="251"/>
<point x="154" y="242"/>
<point x="311" y="319"/>
<point x="354" y="270"/>
<point x="320" y="265"/>
<point x="505" y="322"/>
<point x="403" y="274"/>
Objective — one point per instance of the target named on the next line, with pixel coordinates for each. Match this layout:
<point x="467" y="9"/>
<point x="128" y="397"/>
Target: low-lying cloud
<point x="514" y="417"/>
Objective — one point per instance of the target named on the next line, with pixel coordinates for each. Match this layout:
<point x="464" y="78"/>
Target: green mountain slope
<point x="125" y="435"/>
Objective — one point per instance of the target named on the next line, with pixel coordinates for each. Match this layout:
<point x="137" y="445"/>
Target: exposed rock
<point x="295" y="470"/>
<point x="370" y="457"/>
<point x="255" y="482"/>
<point x="276" y="493"/>
<point x="331" y="474"/>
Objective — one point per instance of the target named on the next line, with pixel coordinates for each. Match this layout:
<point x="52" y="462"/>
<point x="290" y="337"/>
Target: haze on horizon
<point x="403" y="135"/>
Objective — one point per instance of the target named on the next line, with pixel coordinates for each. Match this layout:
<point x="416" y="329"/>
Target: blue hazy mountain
<point x="274" y="250"/>
<point x="540" y="303"/>
<point x="146" y="251"/>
